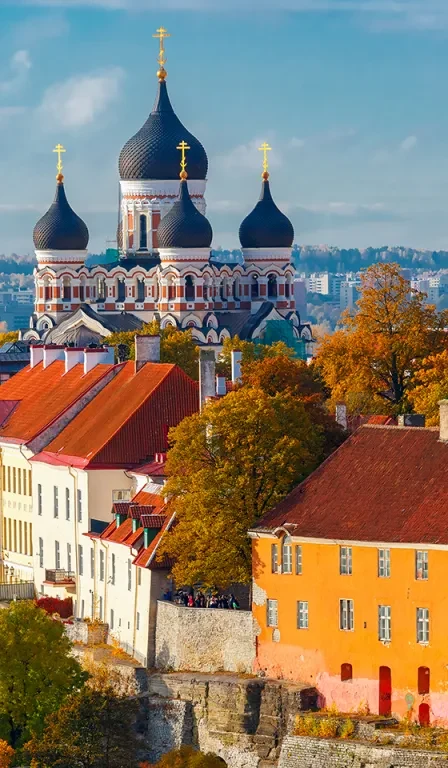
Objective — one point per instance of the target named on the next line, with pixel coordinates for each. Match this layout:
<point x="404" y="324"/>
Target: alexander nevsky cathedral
<point x="164" y="270"/>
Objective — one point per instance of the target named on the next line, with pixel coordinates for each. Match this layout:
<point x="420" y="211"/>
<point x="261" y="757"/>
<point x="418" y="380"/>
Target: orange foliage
<point x="6" y="754"/>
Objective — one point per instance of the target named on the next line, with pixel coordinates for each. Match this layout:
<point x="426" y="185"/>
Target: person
<point x="213" y="602"/>
<point x="167" y="595"/>
<point x="233" y="602"/>
<point x="190" y="601"/>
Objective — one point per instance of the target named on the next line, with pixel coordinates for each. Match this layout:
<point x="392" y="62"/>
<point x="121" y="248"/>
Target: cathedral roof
<point x="152" y="153"/>
<point x="266" y="226"/>
<point x="60" y="228"/>
<point x="184" y="226"/>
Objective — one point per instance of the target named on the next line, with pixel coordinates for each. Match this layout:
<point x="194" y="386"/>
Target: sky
<point x="351" y="95"/>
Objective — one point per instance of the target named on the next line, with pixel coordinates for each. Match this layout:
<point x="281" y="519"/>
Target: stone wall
<point x="304" y="752"/>
<point x="204" y="639"/>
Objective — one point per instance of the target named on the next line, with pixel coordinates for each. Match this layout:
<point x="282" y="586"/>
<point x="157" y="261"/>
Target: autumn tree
<point x="250" y="352"/>
<point x="374" y="357"/>
<point x="188" y="757"/>
<point x="430" y="386"/>
<point x="176" y="346"/>
<point x="37" y="670"/>
<point x="8" y="336"/>
<point x="227" y="467"/>
<point x="6" y="754"/>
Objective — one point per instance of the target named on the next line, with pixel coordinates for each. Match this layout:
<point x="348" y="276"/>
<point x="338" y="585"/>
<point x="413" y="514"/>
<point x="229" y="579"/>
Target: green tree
<point x="250" y="353"/>
<point x="187" y="757"/>
<point x="92" y="729"/>
<point x="228" y="466"/>
<point x="177" y="347"/>
<point x="37" y="670"/>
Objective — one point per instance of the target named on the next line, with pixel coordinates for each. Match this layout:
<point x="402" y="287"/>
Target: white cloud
<point x="296" y="143"/>
<point x="19" y="66"/>
<point x="78" y="101"/>
<point x="6" y="113"/>
<point x="248" y="156"/>
<point x="409" y="143"/>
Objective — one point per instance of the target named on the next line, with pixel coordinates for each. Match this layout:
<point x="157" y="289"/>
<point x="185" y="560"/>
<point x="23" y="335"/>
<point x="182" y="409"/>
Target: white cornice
<point x="267" y="254"/>
<point x="170" y="255"/>
<point x="160" y="188"/>
<point x="60" y="257"/>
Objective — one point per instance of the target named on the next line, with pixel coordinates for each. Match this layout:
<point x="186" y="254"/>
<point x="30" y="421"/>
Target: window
<point x="140" y="291"/>
<point x="274" y="558"/>
<point x="421" y="565"/>
<point x="384" y="563"/>
<point x="113" y="569"/>
<point x="121" y="494"/>
<point x="82" y="609"/>
<point x="101" y="289"/>
<point x="384" y="623"/>
<point x="345" y="561"/>
<point x="24" y="483"/>
<point x="4" y="478"/>
<point x="92" y="563"/>
<point x="69" y="557"/>
<point x="79" y="502"/>
<point x="14" y="480"/>
<point x="19" y="481"/>
<point x="9" y="479"/>
<point x="272" y="287"/>
<point x="138" y="620"/>
<point x="139" y="576"/>
<point x="143" y="232"/>
<point x="55" y="501"/>
<point x="272" y="613"/>
<point x="129" y="575"/>
<point x="111" y="618"/>
<point x="298" y="561"/>
<point x="287" y="555"/>
<point x="254" y="287"/>
<point x="189" y="288"/>
<point x="30" y="488"/>
<point x="346" y="672"/>
<point x="39" y="499"/>
<point x="41" y="552"/>
<point x="67" y="503"/>
<point x="20" y="537"/>
<point x="25" y="538"/>
<point x="101" y="564"/>
<point x="101" y="607"/>
<point x="57" y="555"/>
<point x="422" y="625"/>
<point x="302" y="614"/>
<point x="346" y="615"/>
<point x="80" y="560"/>
<point x="121" y="290"/>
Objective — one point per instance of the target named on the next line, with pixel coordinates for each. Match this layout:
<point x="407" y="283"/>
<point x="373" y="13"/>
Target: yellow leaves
<point x="430" y="386"/>
<point x="176" y="347"/>
<point x="6" y="754"/>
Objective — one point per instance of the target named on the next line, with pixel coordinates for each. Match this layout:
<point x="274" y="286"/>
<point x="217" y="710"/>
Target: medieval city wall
<point x="204" y="639"/>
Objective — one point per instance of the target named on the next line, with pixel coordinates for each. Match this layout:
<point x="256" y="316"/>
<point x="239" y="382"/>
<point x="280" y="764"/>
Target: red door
<point x="423" y="680"/>
<point x="385" y="698"/>
<point x="423" y="714"/>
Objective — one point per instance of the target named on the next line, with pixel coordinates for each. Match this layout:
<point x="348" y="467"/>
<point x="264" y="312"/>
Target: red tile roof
<point x="123" y="534"/>
<point x="128" y="420"/>
<point x="381" y="420"/>
<point x="43" y="394"/>
<point x="152" y="469"/>
<point x="384" y="484"/>
<point x="146" y="558"/>
<point x="150" y="499"/>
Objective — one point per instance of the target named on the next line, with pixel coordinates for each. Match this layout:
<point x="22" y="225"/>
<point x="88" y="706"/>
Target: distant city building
<point x="349" y="293"/>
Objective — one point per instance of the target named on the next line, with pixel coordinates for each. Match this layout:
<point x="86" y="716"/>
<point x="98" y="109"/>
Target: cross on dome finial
<point x="265" y="148"/>
<point x="183" y="146"/>
<point x="59" y="149"/>
<point x="161" y="34"/>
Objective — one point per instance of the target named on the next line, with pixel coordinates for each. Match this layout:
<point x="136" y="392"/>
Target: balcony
<point x="58" y="576"/>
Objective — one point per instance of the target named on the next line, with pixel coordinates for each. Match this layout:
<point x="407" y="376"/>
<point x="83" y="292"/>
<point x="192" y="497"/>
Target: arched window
<point x="346" y="672"/>
<point x="82" y="291"/>
<point x="223" y="289"/>
<point x="287" y="289"/>
<point x="143" y="232"/>
<point x="171" y="289"/>
<point x="66" y="289"/>
<point x="272" y="287"/>
<point x="121" y="290"/>
<point x="254" y="287"/>
<point x="47" y="290"/>
<point x="236" y="289"/>
<point x="189" y="288"/>
<point x="140" y="291"/>
<point x="286" y="555"/>
<point x="205" y="289"/>
<point x="101" y="288"/>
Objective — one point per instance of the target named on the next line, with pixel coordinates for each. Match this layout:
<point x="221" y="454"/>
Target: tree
<point x="8" y="336"/>
<point x="250" y="352"/>
<point x="6" y="754"/>
<point x="188" y="757"/>
<point x="227" y="467"/>
<point x="37" y="670"/>
<point x="430" y="386"/>
<point x="177" y="347"/>
<point x="92" y="729"/>
<point x="376" y="354"/>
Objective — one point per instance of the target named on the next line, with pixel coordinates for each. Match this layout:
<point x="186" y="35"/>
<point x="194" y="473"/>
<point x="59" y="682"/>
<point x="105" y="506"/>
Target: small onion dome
<point x="60" y="229"/>
<point x="184" y="226"/>
<point x="266" y="226"/>
<point x="152" y="153"/>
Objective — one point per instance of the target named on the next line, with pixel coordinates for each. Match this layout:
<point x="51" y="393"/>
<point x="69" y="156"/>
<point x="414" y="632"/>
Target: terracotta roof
<point x="384" y="484"/>
<point x="152" y="469"/>
<point x="152" y="521"/>
<point x="43" y="394"/>
<point x="128" y="420"/>
<point x="150" y="499"/>
<point x="146" y="558"/>
<point x="123" y="534"/>
<point x="381" y="420"/>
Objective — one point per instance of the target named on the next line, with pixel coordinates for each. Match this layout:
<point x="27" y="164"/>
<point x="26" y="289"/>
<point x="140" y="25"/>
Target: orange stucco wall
<point x="315" y="655"/>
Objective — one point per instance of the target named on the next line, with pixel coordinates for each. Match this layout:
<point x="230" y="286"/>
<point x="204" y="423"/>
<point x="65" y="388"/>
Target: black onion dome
<point x="152" y="153"/>
<point x="266" y="226"/>
<point x="60" y="229"/>
<point x="184" y="226"/>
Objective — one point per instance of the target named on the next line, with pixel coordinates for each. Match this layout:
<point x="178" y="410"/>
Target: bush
<point x="328" y="728"/>
<point x="52" y="605"/>
<point x="347" y="729"/>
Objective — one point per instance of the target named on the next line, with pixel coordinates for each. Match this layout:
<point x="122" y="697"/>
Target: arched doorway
<point x="272" y="287"/>
<point x="254" y="287"/>
<point x="189" y="288"/>
<point x="346" y="672"/>
<point x="385" y="692"/>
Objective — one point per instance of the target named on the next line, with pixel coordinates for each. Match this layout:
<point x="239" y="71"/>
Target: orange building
<point x="350" y="581"/>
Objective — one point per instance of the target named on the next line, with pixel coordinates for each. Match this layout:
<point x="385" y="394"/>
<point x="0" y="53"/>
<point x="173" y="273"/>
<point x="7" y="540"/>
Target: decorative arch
<point x="210" y="320"/>
<point x="272" y="286"/>
<point x="212" y="336"/>
<point x="66" y="288"/>
<point x="191" y="321"/>
<point x="225" y="334"/>
<point x="44" y="323"/>
<point x="168" y="320"/>
<point x="254" y="287"/>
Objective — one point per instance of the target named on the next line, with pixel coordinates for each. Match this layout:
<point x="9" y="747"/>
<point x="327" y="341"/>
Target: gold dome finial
<point x="183" y="146"/>
<point x="59" y="149"/>
<point x="265" y="148"/>
<point x="161" y="34"/>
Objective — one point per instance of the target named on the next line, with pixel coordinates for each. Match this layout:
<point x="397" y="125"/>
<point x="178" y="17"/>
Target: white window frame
<point x="384" y="623"/>
<point x="346" y="615"/>
<point x="79" y="503"/>
<point x="421" y="565"/>
<point x="69" y="557"/>
<point x="113" y="568"/>
<point x="41" y="552"/>
<point x="274" y="558"/>
<point x="272" y="613"/>
<point x="298" y="559"/>
<point x="67" y="503"/>
<point x="39" y="499"/>
<point x="92" y="562"/>
<point x="302" y="614"/>
<point x="384" y="563"/>
<point x="102" y="566"/>
<point x="55" y="501"/>
<point x="422" y="615"/>
<point x="286" y="555"/>
<point x="80" y="560"/>
<point x="57" y="555"/>
<point x="345" y="561"/>
<point x="129" y="575"/>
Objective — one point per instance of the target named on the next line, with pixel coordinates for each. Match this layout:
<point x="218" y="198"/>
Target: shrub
<point x="328" y="728"/>
<point x="306" y="726"/>
<point x="52" y="605"/>
<point x="347" y="729"/>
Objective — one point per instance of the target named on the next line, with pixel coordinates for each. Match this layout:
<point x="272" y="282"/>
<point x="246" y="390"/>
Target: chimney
<point x="443" y="411"/>
<point x="95" y="355"/>
<point x="341" y="415"/>
<point x="73" y="356"/>
<point x="221" y="386"/>
<point x="207" y="364"/>
<point x="236" y="365"/>
<point x="147" y="350"/>
<point x="52" y="352"/>
<point x="36" y="354"/>
<point x="411" y="420"/>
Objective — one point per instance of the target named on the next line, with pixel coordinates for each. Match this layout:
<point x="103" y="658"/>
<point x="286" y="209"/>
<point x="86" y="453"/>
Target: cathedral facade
<point x="164" y="270"/>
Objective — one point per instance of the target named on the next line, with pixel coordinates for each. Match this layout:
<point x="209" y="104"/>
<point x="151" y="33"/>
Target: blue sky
<point x="351" y="94"/>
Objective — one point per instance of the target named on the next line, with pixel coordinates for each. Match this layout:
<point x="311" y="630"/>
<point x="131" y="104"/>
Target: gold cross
<point x="161" y="34"/>
<point x="59" y="149"/>
<point x="183" y="146"/>
<point x="265" y="148"/>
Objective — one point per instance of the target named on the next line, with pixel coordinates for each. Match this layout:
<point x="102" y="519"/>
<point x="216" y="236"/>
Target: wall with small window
<point x="17" y="511"/>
